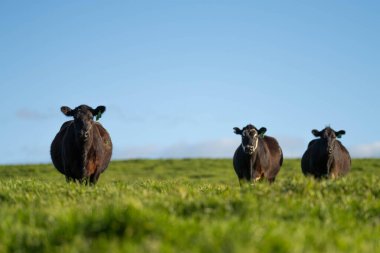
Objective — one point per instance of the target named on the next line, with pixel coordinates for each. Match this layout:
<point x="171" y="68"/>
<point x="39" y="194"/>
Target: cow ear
<point x="67" y="111"/>
<point x="99" y="111"/>
<point x="237" y="130"/>
<point x="262" y="131"/>
<point x="316" y="133"/>
<point x="340" y="133"/>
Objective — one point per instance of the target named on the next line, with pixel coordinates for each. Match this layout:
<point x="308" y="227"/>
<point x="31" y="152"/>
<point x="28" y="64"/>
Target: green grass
<point x="191" y="205"/>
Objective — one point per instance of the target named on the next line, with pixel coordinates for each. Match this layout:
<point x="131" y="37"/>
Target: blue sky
<point x="177" y="76"/>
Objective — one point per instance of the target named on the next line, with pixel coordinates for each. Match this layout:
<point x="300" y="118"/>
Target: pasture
<point x="189" y="205"/>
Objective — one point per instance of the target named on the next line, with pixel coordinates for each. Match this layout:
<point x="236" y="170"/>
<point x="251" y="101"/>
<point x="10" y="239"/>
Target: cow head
<point x="329" y="135"/>
<point x="250" y="137"/>
<point x="83" y="120"/>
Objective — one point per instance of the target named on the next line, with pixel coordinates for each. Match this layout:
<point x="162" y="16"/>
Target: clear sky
<point x="177" y="76"/>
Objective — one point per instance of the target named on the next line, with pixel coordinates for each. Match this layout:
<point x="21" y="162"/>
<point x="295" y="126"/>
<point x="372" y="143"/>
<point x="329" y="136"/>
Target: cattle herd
<point x="82" y="150"/>
<point x="260" y="156"/>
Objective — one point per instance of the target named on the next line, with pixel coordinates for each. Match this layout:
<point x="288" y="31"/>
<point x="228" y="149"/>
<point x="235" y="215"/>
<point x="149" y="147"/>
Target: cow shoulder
<point x="104" y="135"/>
<point x="271" y="143"/>
<point x="66" y="125"/>
<point x="101" y="130"/>
<point x="342" y="148"/>
<point x="316" y="146"/>
<point x="312" y="142"/>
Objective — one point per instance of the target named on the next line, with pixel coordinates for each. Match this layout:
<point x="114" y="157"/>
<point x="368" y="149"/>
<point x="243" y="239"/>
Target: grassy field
<point x="190" y="205"/>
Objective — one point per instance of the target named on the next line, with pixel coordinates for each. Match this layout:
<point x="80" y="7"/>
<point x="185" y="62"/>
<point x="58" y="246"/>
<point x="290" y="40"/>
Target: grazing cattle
<point x="82" y="148"/>
<point x="258" y="156"/>
<point x="326" y="156"/>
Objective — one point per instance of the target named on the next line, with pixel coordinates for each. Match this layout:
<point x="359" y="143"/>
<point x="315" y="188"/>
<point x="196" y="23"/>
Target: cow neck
<point x="252" y="158"/>
<point x="84" y="146"/>
<point x="88" y="146"/>
<point x="330" y="159"/>
<point x="256" y="145"/>
<point x="332" y="147"/>
<point x="252" y="161"/>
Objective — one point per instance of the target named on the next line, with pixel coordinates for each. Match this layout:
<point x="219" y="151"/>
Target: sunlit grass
<point x="192" y="205"/>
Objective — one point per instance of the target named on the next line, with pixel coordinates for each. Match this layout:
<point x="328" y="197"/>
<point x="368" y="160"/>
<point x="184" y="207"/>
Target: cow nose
<point x="249" y="148"/>
<point x="84" y="134"/>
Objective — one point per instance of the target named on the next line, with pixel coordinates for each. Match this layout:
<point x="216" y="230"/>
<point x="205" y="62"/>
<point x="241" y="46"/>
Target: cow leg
<point x="330" y="166"/>
<point x="85" y="180"/>
<point x="245" y="182"/>
<point x="257" y="176"/>
<point x="94" y="178"/>
<point x="333" y="173"/>
<point x="69" y="179"/>
<point x="66" y="171"/>
<point x="270" y="175"/>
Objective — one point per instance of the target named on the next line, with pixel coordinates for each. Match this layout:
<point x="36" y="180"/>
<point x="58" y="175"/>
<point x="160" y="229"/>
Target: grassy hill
<point x="190" y="205"/>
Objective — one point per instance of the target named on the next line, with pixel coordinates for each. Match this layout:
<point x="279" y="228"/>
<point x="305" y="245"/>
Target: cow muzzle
<point x="330" y="147"/>
<point x="84" y="134"/>
<point x="249" y="149"/>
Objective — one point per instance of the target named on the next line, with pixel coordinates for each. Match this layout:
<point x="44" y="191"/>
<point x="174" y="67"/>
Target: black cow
<point x="258" y="156"/>
<point x="82" y="148"/>
<point x="326" y="156"/>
